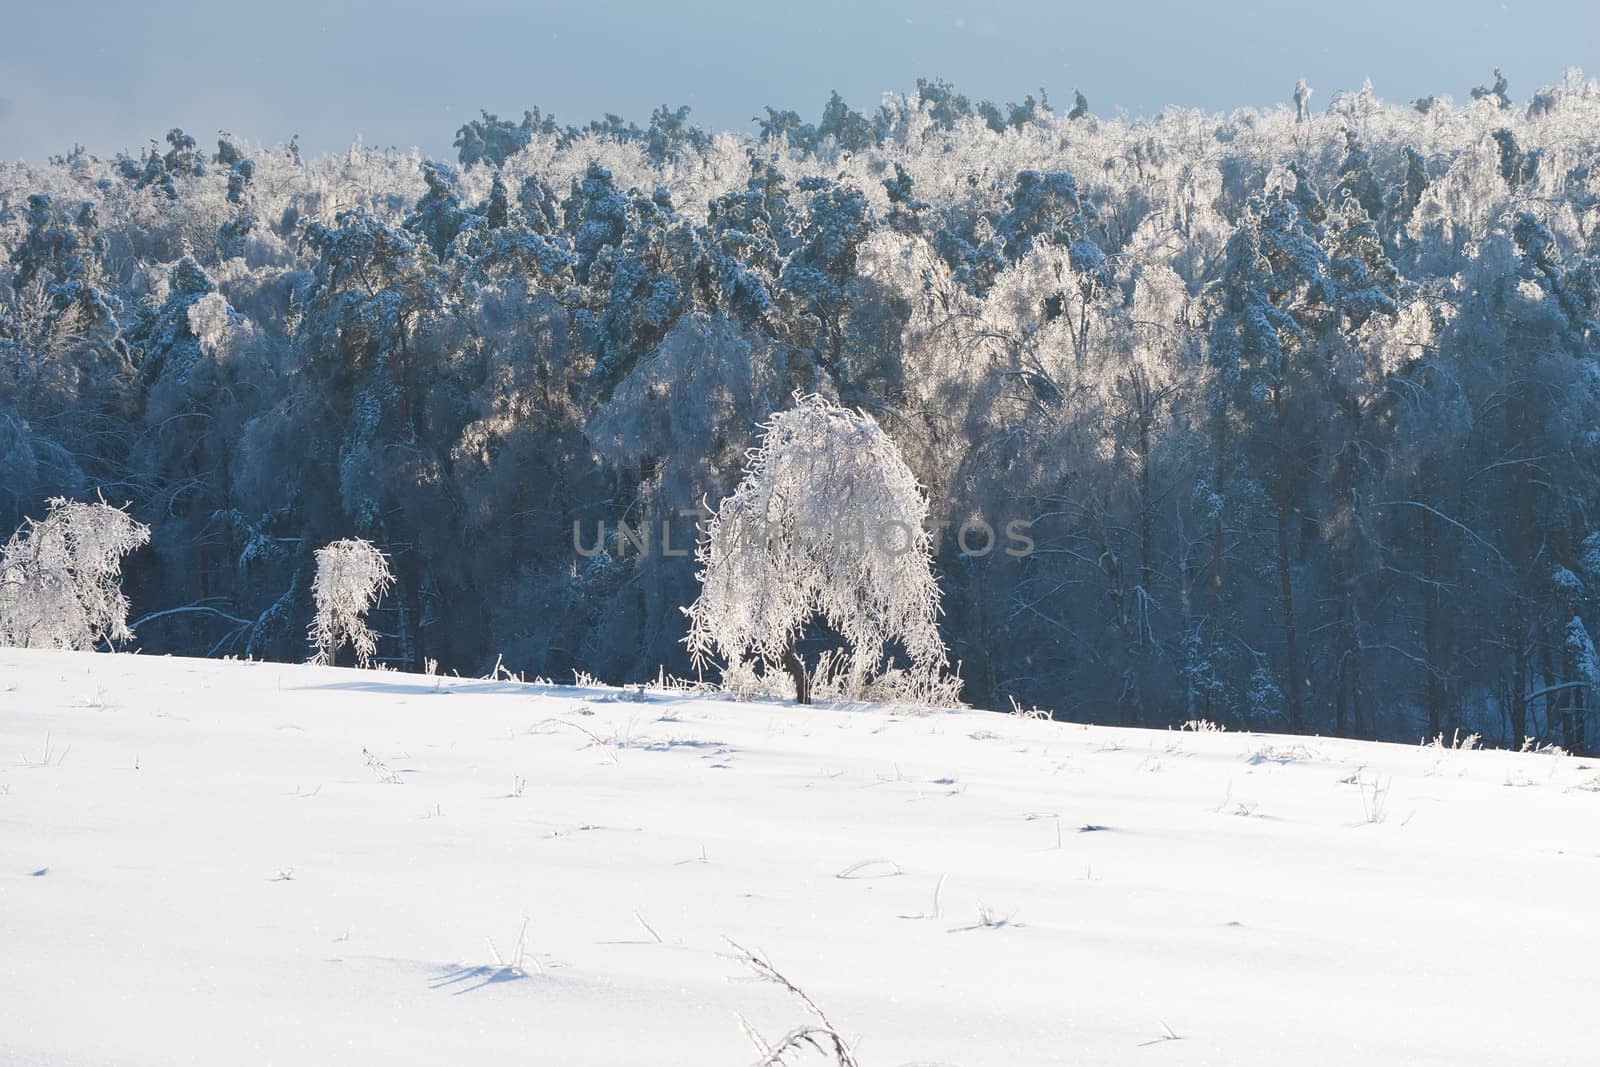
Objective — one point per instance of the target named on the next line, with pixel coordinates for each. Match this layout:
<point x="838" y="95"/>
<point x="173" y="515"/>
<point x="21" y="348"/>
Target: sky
<point x="113" y="75"/>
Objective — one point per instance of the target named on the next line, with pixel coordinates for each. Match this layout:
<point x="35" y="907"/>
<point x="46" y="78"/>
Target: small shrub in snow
<point x="1203" y="726"/>
<point x="351" y="575"/>
<point x="61" y="578"/>
<point x="1375" y="798"/>
<point x="1036" y="713"/>
<point x="668" y="683"/>
<point x="835" y="678"/>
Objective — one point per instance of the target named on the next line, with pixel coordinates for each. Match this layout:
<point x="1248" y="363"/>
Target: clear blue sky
<point x="112" y="75"/>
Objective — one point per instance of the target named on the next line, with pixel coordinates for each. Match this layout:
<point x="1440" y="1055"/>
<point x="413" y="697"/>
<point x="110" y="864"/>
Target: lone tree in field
<point x="351" y="575"/>
<point x="827" y="522"/>
<point x="61" y="578"/>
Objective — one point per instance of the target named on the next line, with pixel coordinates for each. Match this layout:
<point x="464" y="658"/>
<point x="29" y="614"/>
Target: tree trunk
<point x="1522" y="555"/>
<point x="1141" y="604"/>
<point x="1555" y="699"/>
<point x="1578" y="744"/>
<point x="1343" y="646"/>
<point x="1347" y="547"/>
<point x="1285" y="586"/>
<point x="1430" y="622"/>
<point x="1215" y="584"/>
<point x="409" y="611"/>
<point x="1341" y="707"/>
<point x="797" y="670"/>
<point x="1569" y="702"/>
<point x="1519" y="683"/>
<point x="1366" y="721"/>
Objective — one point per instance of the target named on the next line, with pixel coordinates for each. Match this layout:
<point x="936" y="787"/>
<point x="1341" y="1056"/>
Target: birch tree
<point x="351" y="575"/>
<point x="827" y="523"/>
<point x="61" y="577"/>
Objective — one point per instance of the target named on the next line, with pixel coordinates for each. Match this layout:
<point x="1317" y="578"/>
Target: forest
<point x="1298" y="406"/>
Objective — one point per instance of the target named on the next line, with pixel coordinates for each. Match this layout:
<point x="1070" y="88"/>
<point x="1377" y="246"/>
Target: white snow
<point x="199" y="864"/>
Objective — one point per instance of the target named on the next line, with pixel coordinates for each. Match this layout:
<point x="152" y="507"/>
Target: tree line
<point x="1300" y="408"/>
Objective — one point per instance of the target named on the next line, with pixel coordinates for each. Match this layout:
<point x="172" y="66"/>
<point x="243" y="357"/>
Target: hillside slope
<point x="206" y="862"/>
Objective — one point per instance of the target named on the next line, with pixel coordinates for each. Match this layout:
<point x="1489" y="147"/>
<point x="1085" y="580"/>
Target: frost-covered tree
<point x="492" y="140"/>
<point x="1302" y="100"/>
<point x="828" y="523"/>
<point x="351" y="575"/>
<point x="61" y="577"/>
<point x="836" y="220"/>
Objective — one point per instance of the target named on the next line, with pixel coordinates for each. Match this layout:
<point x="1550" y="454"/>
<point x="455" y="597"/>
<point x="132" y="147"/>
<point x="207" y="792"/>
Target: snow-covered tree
<point x="61" y="578"/>
<point x="351" y="575"/>
<point x="827" y="523"/>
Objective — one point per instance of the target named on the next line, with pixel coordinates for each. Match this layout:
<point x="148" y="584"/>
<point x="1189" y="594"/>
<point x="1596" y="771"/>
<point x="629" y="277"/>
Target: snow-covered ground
<point x="200" y="863"/>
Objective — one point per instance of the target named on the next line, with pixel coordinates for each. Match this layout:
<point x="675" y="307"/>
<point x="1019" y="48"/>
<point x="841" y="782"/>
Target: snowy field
<point x="206" y="862"/>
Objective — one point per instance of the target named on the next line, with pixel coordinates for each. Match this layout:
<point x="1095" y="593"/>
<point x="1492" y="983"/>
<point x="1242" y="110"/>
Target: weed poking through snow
<point x="49" y="758"/>
<point x="517" y="965"/>
<point x="1375" y="798"/>
<point x="381" y="769"/>
<point x="878" y="868"/>
<point x="820" y="1036"/>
